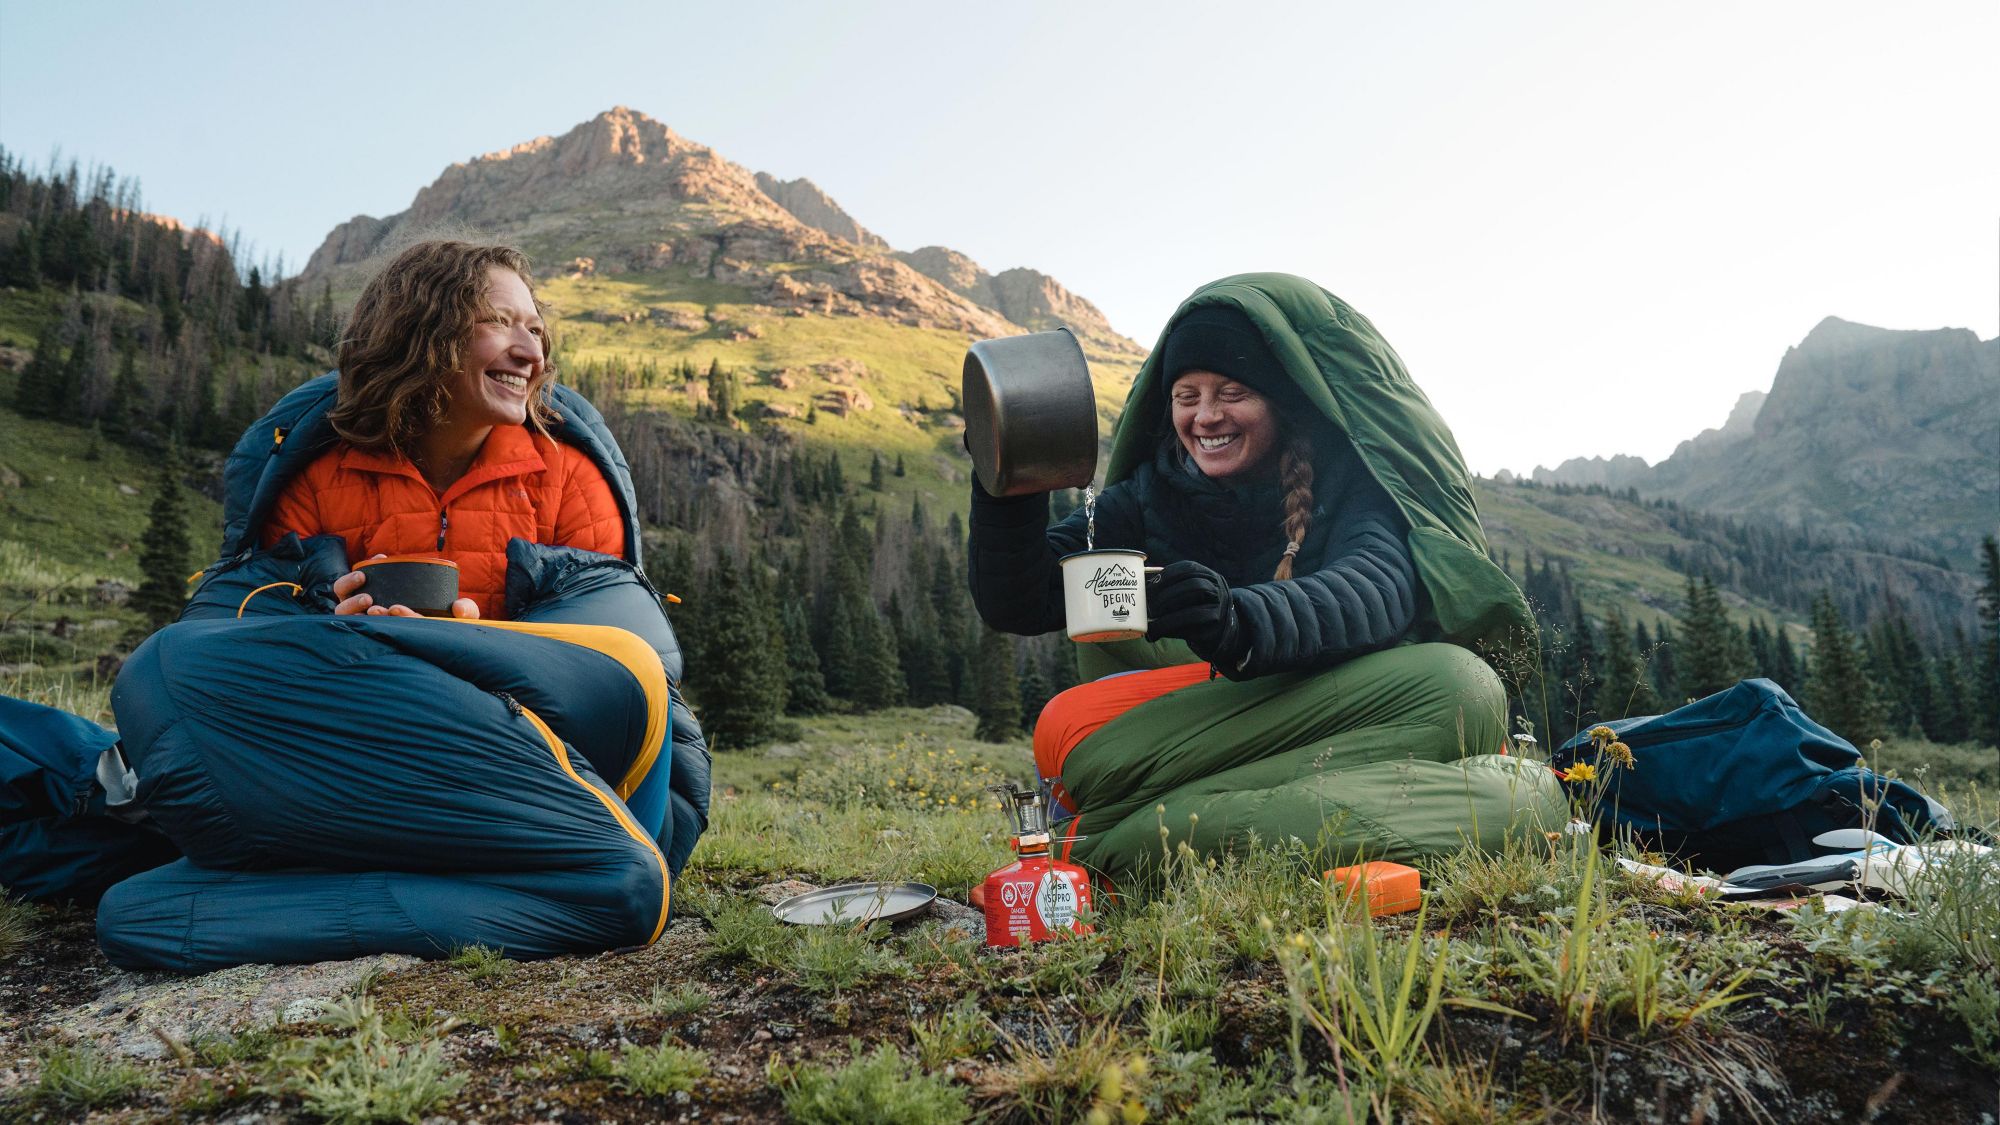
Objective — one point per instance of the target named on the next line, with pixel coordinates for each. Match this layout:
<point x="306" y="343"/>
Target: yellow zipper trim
<point x="618" y="811"/>
<point x="638" y="658"/>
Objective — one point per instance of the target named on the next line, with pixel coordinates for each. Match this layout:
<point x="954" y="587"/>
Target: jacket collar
<point x="509" y="451"/>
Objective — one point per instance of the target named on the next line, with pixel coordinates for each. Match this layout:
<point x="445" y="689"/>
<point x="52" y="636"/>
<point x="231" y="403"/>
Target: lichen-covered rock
<point x="139" y="1014"/>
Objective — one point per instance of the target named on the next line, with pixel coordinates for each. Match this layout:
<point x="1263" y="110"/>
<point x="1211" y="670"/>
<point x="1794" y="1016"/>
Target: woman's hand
<point x="1190" y="601"/>
<point x="349" y="599"/>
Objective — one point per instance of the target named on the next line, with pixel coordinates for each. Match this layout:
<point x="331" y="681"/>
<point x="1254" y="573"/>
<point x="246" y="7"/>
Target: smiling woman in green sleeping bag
<point x="1309" y="670"/>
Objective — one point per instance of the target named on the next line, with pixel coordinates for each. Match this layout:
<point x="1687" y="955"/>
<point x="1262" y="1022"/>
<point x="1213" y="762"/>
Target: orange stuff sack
<point x="1391" y="888"/>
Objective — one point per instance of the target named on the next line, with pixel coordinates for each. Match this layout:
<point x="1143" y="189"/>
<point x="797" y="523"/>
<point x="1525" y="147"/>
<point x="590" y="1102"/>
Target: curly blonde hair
<point x="407" y="336"/>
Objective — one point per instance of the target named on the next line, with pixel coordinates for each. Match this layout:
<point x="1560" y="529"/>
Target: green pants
<point x="1396" y="756"/>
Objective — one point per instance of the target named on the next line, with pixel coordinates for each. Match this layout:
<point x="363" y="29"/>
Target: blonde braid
<point x="1295" y="472"/>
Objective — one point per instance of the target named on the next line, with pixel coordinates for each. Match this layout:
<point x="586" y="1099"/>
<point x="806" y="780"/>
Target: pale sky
<point x="1587" y="227"/>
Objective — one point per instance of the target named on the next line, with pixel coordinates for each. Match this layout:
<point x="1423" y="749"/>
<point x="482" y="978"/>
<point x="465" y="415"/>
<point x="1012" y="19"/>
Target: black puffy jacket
<point x="1354" y="589"/>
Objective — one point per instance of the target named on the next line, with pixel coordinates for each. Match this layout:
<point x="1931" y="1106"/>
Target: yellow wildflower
<point x="1602" y="734"/>
<point x="1582" y="771"/>
<point x="1620" y="755"/>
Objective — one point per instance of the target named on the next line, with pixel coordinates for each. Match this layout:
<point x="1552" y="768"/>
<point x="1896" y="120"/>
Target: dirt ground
<point x="523" y="1039"/>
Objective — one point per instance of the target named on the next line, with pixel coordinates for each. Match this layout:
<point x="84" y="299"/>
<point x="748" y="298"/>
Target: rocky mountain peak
<point x="816" y="209"/>
<point x="1027" y="297"/>
<point x="622" y="192"/>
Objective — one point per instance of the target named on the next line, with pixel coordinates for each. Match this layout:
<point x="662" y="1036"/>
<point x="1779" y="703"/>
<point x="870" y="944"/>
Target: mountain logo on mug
<point x="1117" y="576"/>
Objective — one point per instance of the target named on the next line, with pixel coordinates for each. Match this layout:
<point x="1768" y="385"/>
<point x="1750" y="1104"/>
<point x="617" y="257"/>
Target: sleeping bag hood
<point x="1348" y="374"/>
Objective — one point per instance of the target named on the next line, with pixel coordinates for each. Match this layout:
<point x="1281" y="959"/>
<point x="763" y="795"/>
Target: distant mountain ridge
<point x="1879" y="432"/>
<point x="624" y="193"/>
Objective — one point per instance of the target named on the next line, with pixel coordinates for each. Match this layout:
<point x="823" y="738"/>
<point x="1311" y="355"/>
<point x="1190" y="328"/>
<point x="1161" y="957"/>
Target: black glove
<point x="1190" y="601"/>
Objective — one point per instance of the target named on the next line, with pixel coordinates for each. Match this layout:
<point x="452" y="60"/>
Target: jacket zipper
<point x="444" y="522"/>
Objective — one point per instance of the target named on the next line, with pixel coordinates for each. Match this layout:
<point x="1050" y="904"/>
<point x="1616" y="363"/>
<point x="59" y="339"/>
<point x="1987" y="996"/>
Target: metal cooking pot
<point x="1030" y="414"/>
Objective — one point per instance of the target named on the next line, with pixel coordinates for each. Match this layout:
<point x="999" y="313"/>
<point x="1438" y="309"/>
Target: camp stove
<point x="1037" y="896"/>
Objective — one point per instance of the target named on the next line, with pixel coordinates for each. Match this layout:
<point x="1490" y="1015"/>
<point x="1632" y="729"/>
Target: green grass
<point x="378" y="1069"/>
<point x="72" y="523"/>
<point x="878" y="1088"/>
<point x="664" y="1068"/>
<point x="956" y="1032"/>
<point x="479" y="962"/>
<point x="670" y="1001"/>
<point x="17" y="924"/>
<point x="1237" y="989"/>
<point x="83" y="1077"/>
<point x="68" y="522"/>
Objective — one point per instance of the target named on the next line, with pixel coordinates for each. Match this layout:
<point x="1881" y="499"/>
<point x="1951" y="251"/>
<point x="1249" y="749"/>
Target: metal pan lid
<point x="856" y="903"/>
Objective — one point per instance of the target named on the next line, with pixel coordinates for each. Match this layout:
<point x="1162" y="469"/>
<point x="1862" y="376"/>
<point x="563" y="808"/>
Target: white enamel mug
<point x="1104" y="595"/>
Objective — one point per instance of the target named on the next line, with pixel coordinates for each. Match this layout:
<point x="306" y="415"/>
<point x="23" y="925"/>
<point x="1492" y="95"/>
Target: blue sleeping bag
<point x="338" y="786"/>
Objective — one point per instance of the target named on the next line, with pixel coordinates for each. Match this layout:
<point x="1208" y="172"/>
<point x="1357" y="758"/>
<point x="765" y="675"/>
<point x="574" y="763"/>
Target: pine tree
<point x="66" y="397"/>
<point x="1626" y="689"/>
<point x="325" y="325"/>
<point x="1787" y="671"/>
<point x="1989" y="643"/>
<point x="877" y="473"/>
<point x="1951" y="718"/>
<point x="958" y="637"/>
<point x="916" y="640"/>
<point x="999" y="693"/>
<point x="40" y="385"/>
<point x="723" y="392"/>
<point x="24" y="262"/>
<point x="901" y="470"/>
<point x="1762" y="656"/>
<point x="1715" y="650"/>
<point x="742" y="678"/>
<point x="1034" y="693"/>
<point x="805" y="692"/>
<point x="1666" y="667"/>
<point x="164" y="549"/>
<point x="879" y="667"/>
<point x="1896" y="665"/>
<point x="839" y="648"/>
<point x="127" y="399"/>
<point x="672" y="572"/>
<point x="1838" y="692"/>
<point x="1580" y="669"/>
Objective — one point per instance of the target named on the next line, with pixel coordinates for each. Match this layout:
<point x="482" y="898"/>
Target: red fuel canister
<point x="1037" y="896"/>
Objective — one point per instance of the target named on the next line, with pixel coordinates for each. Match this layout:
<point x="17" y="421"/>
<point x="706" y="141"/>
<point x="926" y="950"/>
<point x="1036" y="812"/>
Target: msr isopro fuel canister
<point x="1036" y="897"/>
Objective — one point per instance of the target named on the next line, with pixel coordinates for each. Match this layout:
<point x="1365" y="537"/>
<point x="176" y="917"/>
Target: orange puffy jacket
<point x="522" y="485"/>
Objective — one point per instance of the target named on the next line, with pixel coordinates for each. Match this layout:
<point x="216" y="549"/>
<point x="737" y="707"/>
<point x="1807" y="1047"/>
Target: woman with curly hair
<point x="443" y="416"/>
<point x="1323" y="581"/>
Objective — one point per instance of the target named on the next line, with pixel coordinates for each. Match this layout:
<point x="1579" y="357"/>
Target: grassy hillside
<point x="1615" y="549"/>
<point x="72" y="511"/>
<point x="910" y="376"/>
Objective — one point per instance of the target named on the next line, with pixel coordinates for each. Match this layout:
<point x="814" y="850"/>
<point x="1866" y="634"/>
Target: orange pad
<point x="1391" y="887"/>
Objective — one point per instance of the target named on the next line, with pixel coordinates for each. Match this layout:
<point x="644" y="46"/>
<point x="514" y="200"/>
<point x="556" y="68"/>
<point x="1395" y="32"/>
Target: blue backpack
<point x="1743" y="777"/>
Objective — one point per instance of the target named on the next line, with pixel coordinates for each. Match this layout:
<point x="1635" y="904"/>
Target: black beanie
<point x="1220" y="339"/>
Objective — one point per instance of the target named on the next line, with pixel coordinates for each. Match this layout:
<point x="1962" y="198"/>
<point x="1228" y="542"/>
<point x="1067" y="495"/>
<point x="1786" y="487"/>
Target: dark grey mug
<point x="427" y="585"/>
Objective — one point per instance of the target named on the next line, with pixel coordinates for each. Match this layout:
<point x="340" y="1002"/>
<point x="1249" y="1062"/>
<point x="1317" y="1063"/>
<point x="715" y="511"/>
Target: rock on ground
<point x="137" y="1013"/>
